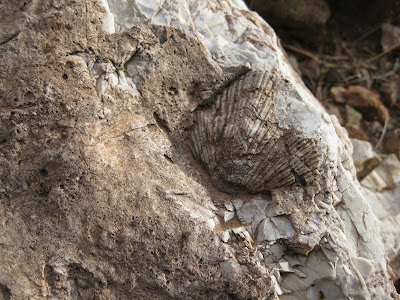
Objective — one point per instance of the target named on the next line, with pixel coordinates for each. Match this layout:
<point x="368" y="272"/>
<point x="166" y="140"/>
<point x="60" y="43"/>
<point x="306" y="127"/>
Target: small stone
<point x="252" y="213"/>
<point x="272" y="229"/>
<point x="238" y="204"/>
<point x="243" y="233"/>
<point x="362" y="151"/>
<point x="353" y="116"/>
<point x="282" y="266"/>
<point x="229" y="206"/>
<point x="277" y="287"/>
<point x="226" y="214"/>
<point x="224" y="236"/>
<point x="365" y="159"/>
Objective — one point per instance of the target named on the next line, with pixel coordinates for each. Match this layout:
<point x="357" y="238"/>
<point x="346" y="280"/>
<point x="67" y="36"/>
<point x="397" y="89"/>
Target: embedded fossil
<point x="239" y="142"/>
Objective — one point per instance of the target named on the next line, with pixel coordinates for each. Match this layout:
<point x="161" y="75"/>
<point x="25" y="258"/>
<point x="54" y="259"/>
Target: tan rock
<point x="101" y="196"/>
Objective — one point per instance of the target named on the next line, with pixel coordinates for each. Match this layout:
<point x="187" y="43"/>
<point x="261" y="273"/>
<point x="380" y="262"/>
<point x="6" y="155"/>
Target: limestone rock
<point x="101" y="196"/>
<point x="381" y="188"/>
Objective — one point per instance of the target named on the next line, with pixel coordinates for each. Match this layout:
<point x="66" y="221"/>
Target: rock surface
<point x="102" y="198"/>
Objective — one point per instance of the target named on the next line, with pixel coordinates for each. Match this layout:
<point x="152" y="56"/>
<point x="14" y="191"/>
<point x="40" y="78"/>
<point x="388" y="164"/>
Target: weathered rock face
<point x="103" y="194"/>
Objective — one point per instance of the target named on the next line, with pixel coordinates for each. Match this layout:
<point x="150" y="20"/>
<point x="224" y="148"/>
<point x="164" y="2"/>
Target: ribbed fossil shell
<point x="240" y="144"/>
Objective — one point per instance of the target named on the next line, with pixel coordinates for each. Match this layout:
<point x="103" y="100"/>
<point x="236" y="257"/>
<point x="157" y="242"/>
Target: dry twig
<point x="251" y="5"/>
<point x="364" y="63"/>
<point x="382" y="54"/>
<point x="368" y="33"/>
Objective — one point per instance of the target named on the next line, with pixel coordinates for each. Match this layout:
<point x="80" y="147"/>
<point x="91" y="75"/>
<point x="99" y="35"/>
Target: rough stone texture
<point x="380" y="184"/>
<point x="101" y="196"/>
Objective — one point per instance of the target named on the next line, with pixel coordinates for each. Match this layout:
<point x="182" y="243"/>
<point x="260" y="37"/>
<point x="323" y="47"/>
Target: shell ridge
<point x="254" y="124"/>
<point x="231" y="106"/>
<point x="260" y="142"/>
<point x="260" y="168"/>
<point x="263" y="86"/>
<point x="222" y="116"/>
<point x="269" y="103"/>
<point x="236" y="111"/>
<point x="228" y="106"/>
<point x="195" y="147"/>
<point x="240" y="143"/>
<point x="202" y="133"/>
<point x="266" y="110"/>
<point x="256" y="86"/>
<point x="276" y="161"/>
<point x="277" y="136"/>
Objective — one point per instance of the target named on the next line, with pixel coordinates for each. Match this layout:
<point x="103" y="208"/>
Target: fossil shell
<point x="241" y="145"/>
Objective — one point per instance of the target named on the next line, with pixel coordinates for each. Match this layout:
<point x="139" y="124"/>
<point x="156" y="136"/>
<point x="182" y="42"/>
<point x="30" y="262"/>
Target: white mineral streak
<point x="320" y="242"/>
<point x="108" y="20"/>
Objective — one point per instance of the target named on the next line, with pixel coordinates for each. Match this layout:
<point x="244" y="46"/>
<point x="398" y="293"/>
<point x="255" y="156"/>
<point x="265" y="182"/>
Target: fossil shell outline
<point x="242" y="146"/>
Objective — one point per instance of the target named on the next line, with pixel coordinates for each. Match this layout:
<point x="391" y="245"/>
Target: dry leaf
<point x="368" y="102"/>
